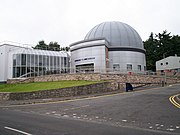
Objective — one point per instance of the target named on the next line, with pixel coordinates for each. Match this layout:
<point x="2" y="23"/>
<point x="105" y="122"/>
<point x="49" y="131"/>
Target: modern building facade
<point x="21" y="62"/>
<point x="109" y="47"/>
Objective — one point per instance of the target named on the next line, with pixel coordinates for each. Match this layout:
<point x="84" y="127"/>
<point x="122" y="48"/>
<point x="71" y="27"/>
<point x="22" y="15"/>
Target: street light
<point x="164" y="70"/>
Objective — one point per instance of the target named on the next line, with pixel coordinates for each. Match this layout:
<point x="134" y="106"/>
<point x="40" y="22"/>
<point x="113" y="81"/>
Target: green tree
<point x="159" y="46"/>
<point x="151" y="50"/>
<point x="41" y="45"/>
<point x="52" y="46"/>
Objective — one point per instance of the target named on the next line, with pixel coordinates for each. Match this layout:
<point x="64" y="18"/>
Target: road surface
<point x="145" y="112"/>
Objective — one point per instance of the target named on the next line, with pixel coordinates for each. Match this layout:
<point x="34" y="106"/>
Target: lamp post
<point x="164" y="71"/>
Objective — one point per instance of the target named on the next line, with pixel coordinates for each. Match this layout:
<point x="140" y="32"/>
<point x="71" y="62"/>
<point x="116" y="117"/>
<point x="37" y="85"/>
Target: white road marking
<point x="16" y="130"/>
<point x="57" y="114"/>
<point x="66" y="116"/>
<point x="170" y="129"/>
<point x="74" y="108"/>
<point x="124" y="120"/>
<point x="158" y="127"/>
<point x="150" y="127"/>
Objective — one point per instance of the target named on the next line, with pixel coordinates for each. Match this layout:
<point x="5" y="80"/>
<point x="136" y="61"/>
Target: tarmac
<point x="36" y="101"/>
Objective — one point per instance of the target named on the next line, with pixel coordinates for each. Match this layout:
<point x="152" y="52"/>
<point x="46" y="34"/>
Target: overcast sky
<point x="68" y="21"/>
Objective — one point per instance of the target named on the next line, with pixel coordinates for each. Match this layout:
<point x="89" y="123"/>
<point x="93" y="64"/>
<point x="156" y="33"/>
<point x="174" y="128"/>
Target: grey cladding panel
<point x="117" y="34"/>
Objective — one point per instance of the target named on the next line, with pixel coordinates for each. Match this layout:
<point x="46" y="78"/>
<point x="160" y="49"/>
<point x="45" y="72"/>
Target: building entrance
<point x="85" y="68"/>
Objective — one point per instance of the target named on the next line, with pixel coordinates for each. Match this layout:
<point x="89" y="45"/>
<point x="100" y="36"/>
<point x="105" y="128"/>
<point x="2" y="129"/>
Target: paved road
<point x="138" y="113"/>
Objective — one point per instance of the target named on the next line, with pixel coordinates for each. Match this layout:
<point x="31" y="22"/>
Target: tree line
<point x="52" y="46"/>
<point x="159" y="46"/>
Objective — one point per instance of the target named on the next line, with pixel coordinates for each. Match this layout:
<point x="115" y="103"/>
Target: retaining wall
<point x="122" y="78"/>
<point x="64" y="92"/>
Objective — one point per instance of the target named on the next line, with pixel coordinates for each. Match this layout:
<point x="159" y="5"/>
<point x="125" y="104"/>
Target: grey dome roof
<point x="118" y="34"/>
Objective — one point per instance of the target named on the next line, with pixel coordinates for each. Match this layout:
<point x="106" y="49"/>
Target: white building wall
<point x="168" y="63"/>
<point x="5" y="61"/>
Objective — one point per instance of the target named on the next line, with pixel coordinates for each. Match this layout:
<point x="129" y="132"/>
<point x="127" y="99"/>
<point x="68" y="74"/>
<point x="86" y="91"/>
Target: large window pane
<point x="14" y="60"/>
<point x="18" y="58"/>
<point x="51" y="61"/>
<point x="44" y="61"/>
<point x="40" y="60"/>
<point x="36" y="60"/>
<point x="139" y="67"/>
<point x="14" y="72"/>
<point x="55" y="62"/>
<point x="28" y="60"/>
<point x="32" y="60"/>
<point x="23" y="59"/>
<point x="129" y="67"/>
<point x="23" y="71"/>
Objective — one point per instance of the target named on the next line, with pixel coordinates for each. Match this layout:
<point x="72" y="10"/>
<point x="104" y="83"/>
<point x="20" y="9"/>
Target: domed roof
<point x="118" y="34"/>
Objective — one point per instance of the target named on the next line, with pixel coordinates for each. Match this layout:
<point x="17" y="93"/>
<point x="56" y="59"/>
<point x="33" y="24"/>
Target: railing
<point x="101" y="71"/>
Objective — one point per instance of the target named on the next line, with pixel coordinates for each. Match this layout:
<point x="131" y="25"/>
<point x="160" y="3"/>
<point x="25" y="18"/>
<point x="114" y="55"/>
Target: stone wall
<point x="122" y="78"/>
<point x="117" y="82"/>
<point x="63" y="92"/>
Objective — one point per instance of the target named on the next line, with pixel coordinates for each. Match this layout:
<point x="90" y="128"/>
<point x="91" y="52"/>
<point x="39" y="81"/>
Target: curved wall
<point x="127" y="57"/>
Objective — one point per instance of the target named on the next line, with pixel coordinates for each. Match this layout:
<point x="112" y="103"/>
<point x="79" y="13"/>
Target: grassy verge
<point x="29" y="87"/>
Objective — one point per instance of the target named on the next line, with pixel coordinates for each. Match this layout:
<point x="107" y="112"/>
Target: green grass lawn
<point x="29" y="87"/>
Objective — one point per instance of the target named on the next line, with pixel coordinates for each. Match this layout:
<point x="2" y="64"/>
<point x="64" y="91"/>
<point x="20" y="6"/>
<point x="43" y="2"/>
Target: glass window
<point x="18" y="73"/>
<point x="44" y="61"/>
<point x="55" y="62"/>
<point x="32" y="60"/>
<point x="14" y="72"/>
<point x="58" y="64"/>
<point x="23" y="71"/>
<point x="40" y="60"/>
<point x="116" y="67"/>
<point x="23" y="59"/>
<point x="36" y="60"/>
<point x="62" y="61"/>
<point x="129" y="67"/>
<point x="18" y="58"/>
<point x="139" y="67"/>
<point x="144" y="68"/>
<point x="14" y="60"/>
<point x="28" y="60"/>
<point x="47" y="58"/>
<point x="65" y="61"/>
<point x="51" y="61"/>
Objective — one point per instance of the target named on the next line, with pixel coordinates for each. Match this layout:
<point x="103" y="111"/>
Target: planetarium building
<point x="109" y="47"/>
